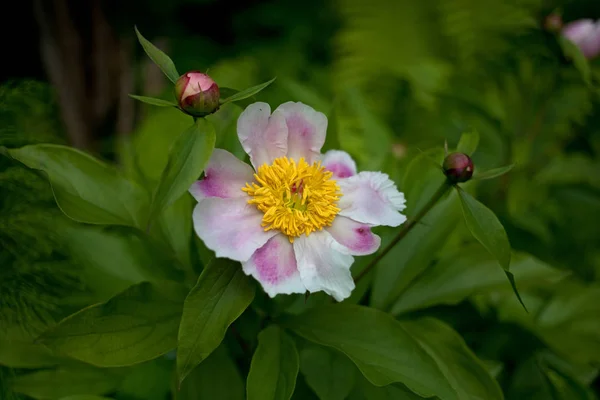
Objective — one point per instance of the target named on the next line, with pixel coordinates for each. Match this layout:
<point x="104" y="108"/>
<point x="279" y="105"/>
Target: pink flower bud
<point x="585" y="34"/>
<point x="458" y="167"/>
<point x="197" y="94"/>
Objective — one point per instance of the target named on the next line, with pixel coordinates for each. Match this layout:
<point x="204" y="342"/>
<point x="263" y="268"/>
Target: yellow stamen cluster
<point x="296" y="198"/>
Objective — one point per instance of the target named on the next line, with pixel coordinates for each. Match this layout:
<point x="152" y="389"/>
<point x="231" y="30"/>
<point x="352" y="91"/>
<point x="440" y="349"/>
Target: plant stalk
<point x="406" y="228"/>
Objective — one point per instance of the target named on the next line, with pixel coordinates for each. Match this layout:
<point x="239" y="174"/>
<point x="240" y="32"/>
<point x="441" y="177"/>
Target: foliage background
<point x="394" y="78"/>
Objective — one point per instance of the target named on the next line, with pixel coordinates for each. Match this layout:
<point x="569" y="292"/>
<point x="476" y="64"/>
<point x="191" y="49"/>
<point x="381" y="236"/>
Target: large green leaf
<point x="466" y="374"/>
<point x="174" y="227"/>
<point x="135" y="326"/>
<point x="220" y="296"/>
<point x="86" y="189"/>
<point x="468" y="143"/>
<point x="187" y="158"/>
<point x="378" y="344"/>
<point x="159" y="58"/>
<point x="216" y="378"/>
<point x="62" y="382"/>
<point x="244" y="94"/>
<point x="328" y="372"/>
<point x="118" y="258"/>
<point x="466" y="272"/>
<point x="485" y="227"/>
<point x="274" y="366"/>
<point x="25" y="354"/>
<point x="149" y="381"/>
<point x="85" y="397"/>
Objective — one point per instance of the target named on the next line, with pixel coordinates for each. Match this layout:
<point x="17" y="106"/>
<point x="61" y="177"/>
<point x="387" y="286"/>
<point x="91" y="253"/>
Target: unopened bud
<point x="553" y="23"/>
<point x="197" y="94"/>
<point x="458" y="167"/>
<point x="585" y="34"/>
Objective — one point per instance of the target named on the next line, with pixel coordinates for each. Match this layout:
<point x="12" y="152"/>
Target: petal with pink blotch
<point x="322" y="267"/>
<point x="371" y="198"/>
<point x="230" y="227"/>
<point x="262" y="135"/>
<point x="274" y="266"/>
<point x="306" y="131"/>
<point x="356" y="237"/>
<point x="224" y="177"/>
<point x="339" y="163"/>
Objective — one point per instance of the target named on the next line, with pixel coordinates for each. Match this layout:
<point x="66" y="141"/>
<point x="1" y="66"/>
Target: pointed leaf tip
<point x="159" y="58"/>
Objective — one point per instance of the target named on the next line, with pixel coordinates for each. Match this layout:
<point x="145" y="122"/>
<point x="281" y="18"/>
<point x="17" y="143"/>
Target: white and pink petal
<point x="306" y="131"/>
<point x="274" y="266"/>
<point x="321" y="267"/>
<point x="339" y="163"/>
<point x="355" y="237"/>
<point x="230" y="227"/>
<point x="371" y="198"/>
<point x="262" y="135"/>
<point x="224" y="177"/>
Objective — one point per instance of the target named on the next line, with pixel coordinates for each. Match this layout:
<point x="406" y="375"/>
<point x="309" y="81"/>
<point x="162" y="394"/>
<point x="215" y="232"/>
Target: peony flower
<point x="197" y="94"/>
<point x="585" y="33"/>
<point x="296" y="220"/>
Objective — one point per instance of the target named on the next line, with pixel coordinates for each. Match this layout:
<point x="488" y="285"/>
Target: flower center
<point x="295" y="198"/>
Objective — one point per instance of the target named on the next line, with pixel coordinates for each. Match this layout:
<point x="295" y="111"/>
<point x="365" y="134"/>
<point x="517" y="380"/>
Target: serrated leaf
<point x="86" y="189"/>
<point x="274" y="366"/>
<point x="378" y="344"/>
<point x="137" y="325"/>
<point x="468" y="142"/>
<point x="328" y="372"/>
<point x="220" y="296"/>
<point x="159" y="58"/>
<point x="62" y="382"/>
<point x="241" y="95"/>
<point x="154" y="101"/>
<point x="494" y="173"/>
<point x="187" y="158"/>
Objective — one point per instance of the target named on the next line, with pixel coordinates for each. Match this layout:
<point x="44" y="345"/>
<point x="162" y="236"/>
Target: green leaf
<point x="174" y="227"/>
<point x="159" y="58"/>
<point x="149" y="381"/>
<point x="85" y="397"/>
<point x="463" y="370"/>
<point x="395" y="391"/>
<point x="468" y="142"/>
<point x="217" y="377"/>
<point x="469" y="271"/>
<point x="247" y="92"/>
<point x="137" y="325"/>
<point x="378" y="344"/>
<point x="86" y="189"/>
<point x="187" y="158"/>
<point x="62" y="382"/>
<point x="493" y="173"/>
<point x="274" y="366"/>
<point x="574" y="53"/>
<point x="328" y="372"/>
<point x="24" y="354"/>
<point x="487" y="229"/>
<point x="118" y="258"/>
<point x="220" y="296"/>
<point x="154" y="101"/>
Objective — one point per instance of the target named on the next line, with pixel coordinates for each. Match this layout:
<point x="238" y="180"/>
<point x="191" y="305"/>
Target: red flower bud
<point x="553" y="23"/>
<point x="197" y="94"/>
<point x="458" y="167"/>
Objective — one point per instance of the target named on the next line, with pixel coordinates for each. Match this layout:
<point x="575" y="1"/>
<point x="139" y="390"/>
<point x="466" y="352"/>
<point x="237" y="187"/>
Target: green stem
<point x="443" y="189"/>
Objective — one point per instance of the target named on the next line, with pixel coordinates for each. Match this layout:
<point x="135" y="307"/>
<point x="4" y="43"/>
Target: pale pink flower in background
<point x="585" y="34"/>
<point x="296" y="220"/>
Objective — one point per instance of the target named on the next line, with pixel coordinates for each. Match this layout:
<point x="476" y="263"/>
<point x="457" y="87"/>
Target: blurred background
<point x="395" y="77"/>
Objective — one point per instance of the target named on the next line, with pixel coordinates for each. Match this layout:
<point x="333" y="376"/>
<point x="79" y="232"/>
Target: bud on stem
<point x="197" y="94"/>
